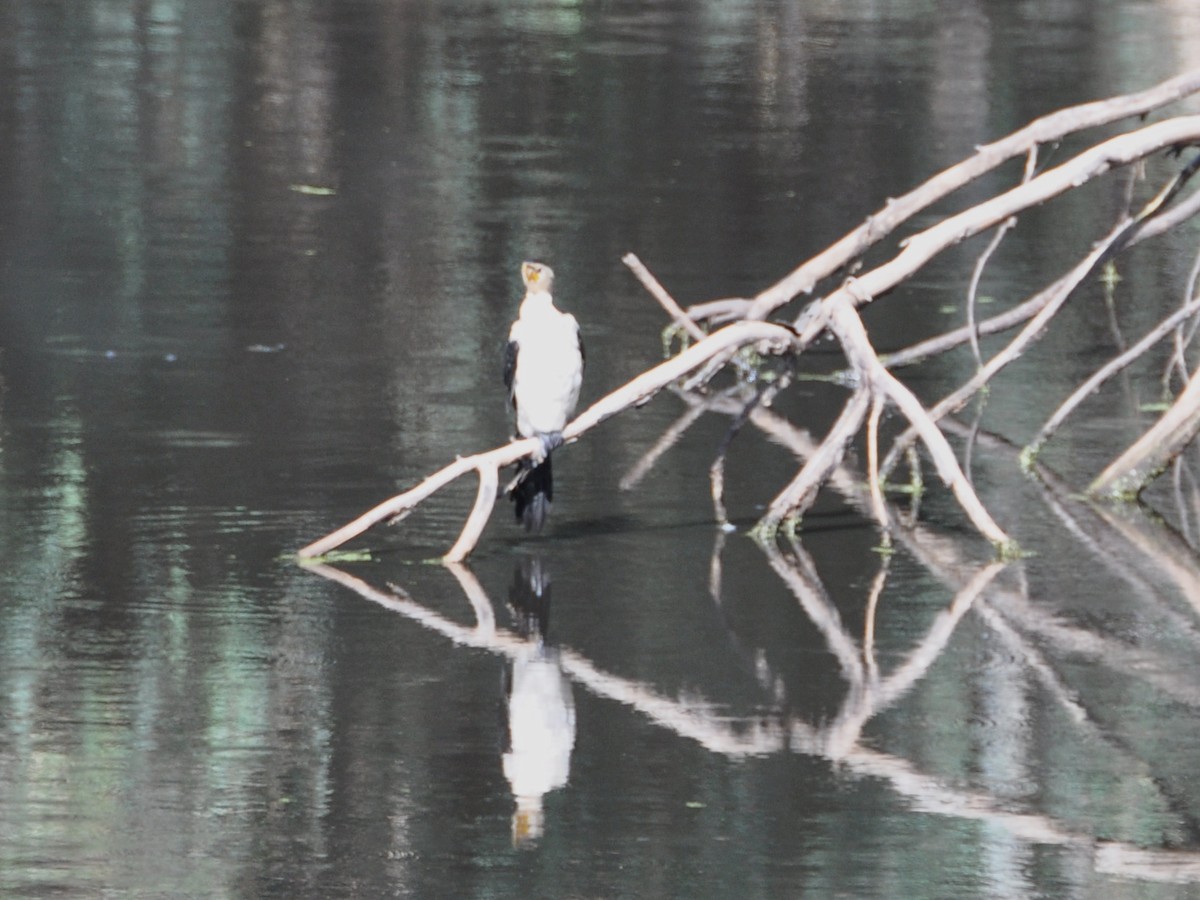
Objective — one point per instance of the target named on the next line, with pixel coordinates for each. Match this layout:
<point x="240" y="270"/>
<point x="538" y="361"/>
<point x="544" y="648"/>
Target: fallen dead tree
<point x="718" y="334"/>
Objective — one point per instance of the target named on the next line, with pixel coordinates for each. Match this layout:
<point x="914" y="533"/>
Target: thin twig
<point x="1056" y="295"/>
<point x="973" y="287"/>
<point x="659" y="293"/>
<point x="981" y="263"/>
<point x="878" y="506"/>
<point x="1106" y="372"/>
<point x="1178" y="361"/>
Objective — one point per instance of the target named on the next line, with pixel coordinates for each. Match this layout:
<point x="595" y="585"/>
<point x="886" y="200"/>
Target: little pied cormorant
<point x="543" y="368"/>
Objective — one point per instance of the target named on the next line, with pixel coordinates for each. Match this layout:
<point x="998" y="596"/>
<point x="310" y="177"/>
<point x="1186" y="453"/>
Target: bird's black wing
<point x="582" y="355"/>
<point x="510" y="365"/>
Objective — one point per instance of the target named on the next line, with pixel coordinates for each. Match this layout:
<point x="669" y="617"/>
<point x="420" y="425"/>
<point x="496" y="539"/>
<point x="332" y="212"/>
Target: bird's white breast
<point x="549" y="368"/>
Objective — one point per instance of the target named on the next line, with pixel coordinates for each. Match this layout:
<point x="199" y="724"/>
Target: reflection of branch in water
<point x="799" y="573"/>
<point x="691" y="720"/>
<point x="1144" y="664"/>
<point x="1020" y="623"/>
<point x="1025" y="652"/>
<point x="1162" y="553"/>
<point x="945" y="559"/>
<point x="1022" y="649"/>
<point x="1095" y="527"/>
<point x="869" y="618"/>
<point x="481" y="604"/>
<point x="742" y="737"/>
<point x="869" y="692"/>
<point x="1180" y="468"/>
<point x="1150" y="865"/>
<point x="735" y="402"/>
<point x="1128" y="545"/>
<point x="761" y="395"/>
<point x="1165" y="552"/>
<point x="666" y="441"/>
<point x="930" y="795"/>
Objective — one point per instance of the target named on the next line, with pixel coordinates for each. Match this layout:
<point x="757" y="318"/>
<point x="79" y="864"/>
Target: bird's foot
<point x="549" y="441"/>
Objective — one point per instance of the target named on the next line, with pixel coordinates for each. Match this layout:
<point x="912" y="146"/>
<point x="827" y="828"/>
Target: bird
<point x="543" y="369"/>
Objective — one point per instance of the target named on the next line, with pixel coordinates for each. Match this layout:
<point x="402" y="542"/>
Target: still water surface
<point x="256" y="265"/>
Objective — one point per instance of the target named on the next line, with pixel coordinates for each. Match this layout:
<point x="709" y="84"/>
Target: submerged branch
<point x="1130" y="473"/>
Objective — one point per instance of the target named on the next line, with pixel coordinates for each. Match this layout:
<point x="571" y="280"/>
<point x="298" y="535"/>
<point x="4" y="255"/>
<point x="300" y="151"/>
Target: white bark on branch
<point x="923" y="246"/>
<point x="1129" y="474"/>
<point x="659" y="293"/>
<point x="848" y="327"/>
<point x="1054" y="298"/>
<point x="740" y="334"/>
<point x="1022" y="312"/>
<point x="897" y="211"/>
<point x="837" y="314"/>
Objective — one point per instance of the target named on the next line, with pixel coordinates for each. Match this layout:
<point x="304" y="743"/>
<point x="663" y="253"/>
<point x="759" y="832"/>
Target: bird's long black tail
<point x="532" y="493"/>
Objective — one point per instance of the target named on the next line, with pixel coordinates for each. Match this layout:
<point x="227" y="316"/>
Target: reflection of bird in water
<point x="539" y="708"/>
<point x="543" y="368"/>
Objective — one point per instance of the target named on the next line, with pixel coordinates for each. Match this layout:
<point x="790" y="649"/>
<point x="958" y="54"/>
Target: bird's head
<point x="537" y="277"/>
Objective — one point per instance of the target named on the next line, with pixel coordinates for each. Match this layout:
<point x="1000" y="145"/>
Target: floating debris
<point x="312" y="190"/>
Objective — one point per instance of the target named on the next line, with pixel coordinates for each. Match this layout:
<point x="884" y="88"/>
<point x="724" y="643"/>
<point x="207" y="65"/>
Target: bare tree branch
<point x="1055" y="296"/>
<point x="640" y="389"/>
<point x="848" y="327"/>
<point x="794" y="499"/>
<point x="1051" y="127"/>
<point x="836" y="314"/>
<point x="659" y="293"/>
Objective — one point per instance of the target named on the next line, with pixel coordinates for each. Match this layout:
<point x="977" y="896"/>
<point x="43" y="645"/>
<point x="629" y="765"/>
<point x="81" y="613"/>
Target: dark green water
<point x="257" y="262"/>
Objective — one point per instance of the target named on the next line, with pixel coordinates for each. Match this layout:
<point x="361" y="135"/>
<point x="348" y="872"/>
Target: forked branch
<point x="837" y="315"/>
<point x="768" y="336"/>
